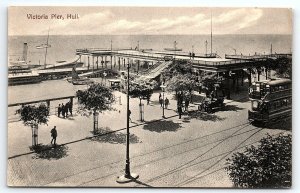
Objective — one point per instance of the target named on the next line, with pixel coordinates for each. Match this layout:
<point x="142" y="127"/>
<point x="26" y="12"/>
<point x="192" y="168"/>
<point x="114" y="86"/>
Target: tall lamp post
<point x="127" y="177"/>
<point x="163" y="91"/>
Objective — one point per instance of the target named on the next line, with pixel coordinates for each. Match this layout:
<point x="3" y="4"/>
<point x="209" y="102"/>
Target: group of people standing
<point x="64" y="110"/>
<point x="162" y="102"/>
<point x="182" y="105"/>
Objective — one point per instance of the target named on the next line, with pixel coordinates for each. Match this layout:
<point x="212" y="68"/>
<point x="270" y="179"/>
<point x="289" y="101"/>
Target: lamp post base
<point x="123" y="179"/>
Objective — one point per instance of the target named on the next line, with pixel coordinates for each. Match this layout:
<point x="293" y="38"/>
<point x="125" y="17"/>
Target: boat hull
<point x="19" y="80"/>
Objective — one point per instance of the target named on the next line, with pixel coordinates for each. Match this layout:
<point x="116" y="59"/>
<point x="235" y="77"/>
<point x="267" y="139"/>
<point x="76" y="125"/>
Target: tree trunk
<point x="141" y="113"/>
<point x="34" y="135"/>
<point x="95" y="129"/>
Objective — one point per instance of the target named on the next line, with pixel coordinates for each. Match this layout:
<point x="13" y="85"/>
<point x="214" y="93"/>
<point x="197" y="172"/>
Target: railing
<point x="257" y="56"/>
<point x="152" y="54"/>
<point x="212" y="63"/>
<point x="88" y="50"/>
<point x="147" y="71"/>
<point x="140" y="54"/>
<point x="38" y="101"/>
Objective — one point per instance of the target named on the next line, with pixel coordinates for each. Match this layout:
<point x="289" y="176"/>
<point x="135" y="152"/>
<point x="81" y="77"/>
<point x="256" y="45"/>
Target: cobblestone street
<point x="171" y="152"/>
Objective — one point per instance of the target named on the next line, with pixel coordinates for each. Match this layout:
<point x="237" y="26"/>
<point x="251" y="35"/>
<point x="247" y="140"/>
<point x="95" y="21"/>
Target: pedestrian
<point x="179" y="109"/>
<point x="186" y="104"/>
<point x="148" y="100"/>
<point x="167" y="102"/>
<point x="63" y="110"/>
<point x="59" y="110"/>
<point x="129" y="113"/>
<point x="161" y="101"/>
<point x="67" y="109"/>
<point x="159" y="97"/>
<point x="53" y="135"/>
<point x="71" y="108"/>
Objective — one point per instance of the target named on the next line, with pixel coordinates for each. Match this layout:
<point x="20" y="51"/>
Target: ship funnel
<point x="25" y="49"/>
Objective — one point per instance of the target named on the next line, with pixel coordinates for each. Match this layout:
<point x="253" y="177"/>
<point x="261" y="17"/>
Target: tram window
<point x="285" y="102"/>
<point x="257" y="87"/>
<point x="272" y="89"/>
<point x="254" y="105"/>
<point x="281" y="87"/>
<point x="272" y="106"/>
<point x="289" y="101"/>
<point x="278" y="104"/>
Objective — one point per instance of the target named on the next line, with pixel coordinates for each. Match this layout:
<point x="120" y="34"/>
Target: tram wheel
<point x="209" y="110"/>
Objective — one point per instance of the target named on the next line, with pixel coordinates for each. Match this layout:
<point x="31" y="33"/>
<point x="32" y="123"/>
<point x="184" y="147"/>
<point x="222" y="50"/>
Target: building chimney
<point x="25" y="49"/>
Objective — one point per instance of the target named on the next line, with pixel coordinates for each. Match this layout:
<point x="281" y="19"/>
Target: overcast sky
<point x="149" y="20"/>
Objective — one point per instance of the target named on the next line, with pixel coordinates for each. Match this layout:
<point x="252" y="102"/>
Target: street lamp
<point x="163" y="91"/>
<point x="127" y="177"/>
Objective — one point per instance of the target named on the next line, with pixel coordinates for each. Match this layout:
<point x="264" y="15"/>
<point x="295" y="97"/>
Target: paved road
<point x="171" y="152"/>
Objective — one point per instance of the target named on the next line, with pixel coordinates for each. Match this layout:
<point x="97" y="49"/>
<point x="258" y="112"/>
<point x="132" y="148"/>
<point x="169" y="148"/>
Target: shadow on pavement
<point x="142" y="183"/>
<point x="154" y="103"/>
<point x="107" y="135"/>
<point x="49" y="151"/>
<point x="231" y="108"/>
<point x="162" y="126"/>
<point x="285" y="124"/>
<point x="243" y="100"/>
<point x="202" y="116"/>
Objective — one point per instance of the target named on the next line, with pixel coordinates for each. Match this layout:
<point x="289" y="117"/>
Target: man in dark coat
<point x="67" y="108"/>
<point x="186" y="104"/>
<point x="161" y="101"/>
<point x="179" y="109"/>
<point x="71" y="108"/>
<point x="167" y="103"/>
<point x="59" y="110"/>
<point x="53" y="135"/>
<point x="63" y="110"/>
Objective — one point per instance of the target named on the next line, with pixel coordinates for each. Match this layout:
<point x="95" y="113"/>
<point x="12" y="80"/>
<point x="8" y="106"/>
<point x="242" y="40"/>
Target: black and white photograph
<point x="149" y="97"/>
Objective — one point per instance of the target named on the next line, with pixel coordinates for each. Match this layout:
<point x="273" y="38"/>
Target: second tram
<point x="271" y="100"/>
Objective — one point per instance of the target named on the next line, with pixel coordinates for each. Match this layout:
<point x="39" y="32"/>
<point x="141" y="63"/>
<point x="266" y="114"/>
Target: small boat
<point x="84" y="81"/>
<point x="76" y="80"/>
<point x="172" y="49"/>
<point x="42" y="46"/>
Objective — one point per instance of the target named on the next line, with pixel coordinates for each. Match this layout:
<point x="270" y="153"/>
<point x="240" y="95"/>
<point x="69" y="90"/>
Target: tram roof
<point x="280" y="81"/>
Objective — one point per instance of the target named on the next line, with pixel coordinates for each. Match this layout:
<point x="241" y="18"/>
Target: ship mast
<point x="211" y="33"/>
<point x="46" y="49"/>
<point x="206" y="48"/>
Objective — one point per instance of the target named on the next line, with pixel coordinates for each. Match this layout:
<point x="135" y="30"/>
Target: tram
<point x="271" y="100"/>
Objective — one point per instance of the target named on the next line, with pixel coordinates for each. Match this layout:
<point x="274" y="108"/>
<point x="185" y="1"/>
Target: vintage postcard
<point x="149" y="97"/>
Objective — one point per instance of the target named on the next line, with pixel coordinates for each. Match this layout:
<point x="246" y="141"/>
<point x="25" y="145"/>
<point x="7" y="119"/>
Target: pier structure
<point x="96" y="58"/>
<point x="233" y="70"/>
